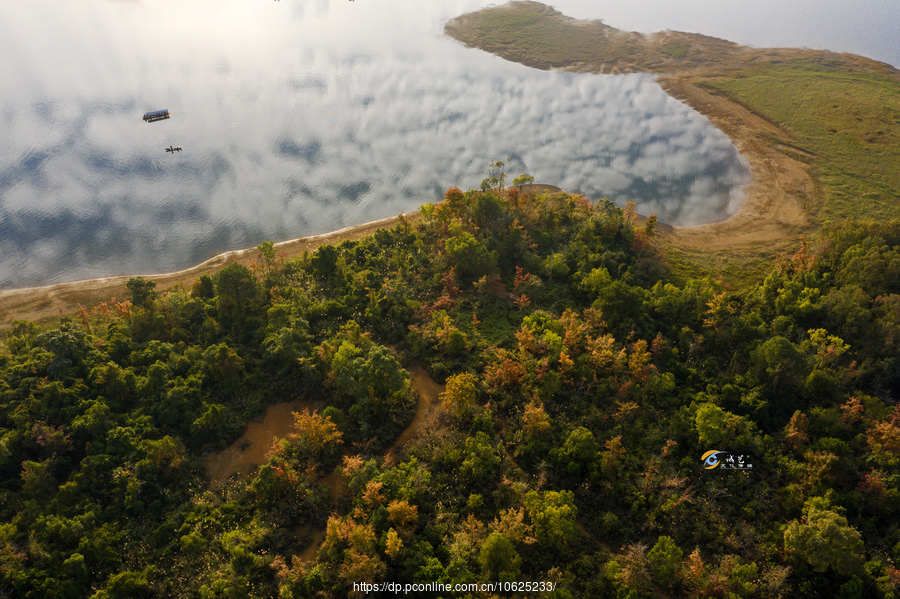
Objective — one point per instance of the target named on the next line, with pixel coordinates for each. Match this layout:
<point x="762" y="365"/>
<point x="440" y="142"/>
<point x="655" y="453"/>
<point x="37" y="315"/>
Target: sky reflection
<point x="298" y="117"/>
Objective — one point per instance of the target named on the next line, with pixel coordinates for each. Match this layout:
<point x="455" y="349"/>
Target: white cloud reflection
<point x="297" y="118"/>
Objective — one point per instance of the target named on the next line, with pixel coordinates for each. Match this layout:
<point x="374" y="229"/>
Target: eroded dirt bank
<point x="782" y="197"/>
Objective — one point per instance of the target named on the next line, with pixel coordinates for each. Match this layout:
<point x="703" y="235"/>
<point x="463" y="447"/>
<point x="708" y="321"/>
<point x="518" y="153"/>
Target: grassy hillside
<point x="849" y="121"/>
<point x="537" y="35"/>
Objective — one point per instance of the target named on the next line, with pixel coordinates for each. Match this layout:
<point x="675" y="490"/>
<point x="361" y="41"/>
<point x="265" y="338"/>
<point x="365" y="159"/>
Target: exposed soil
<point x="317" y="535"/>
<point x="243" y="457"/>
<point x="426" y="409"/>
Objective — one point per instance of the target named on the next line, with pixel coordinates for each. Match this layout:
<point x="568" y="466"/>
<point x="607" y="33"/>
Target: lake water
<point x="301" y="116"/>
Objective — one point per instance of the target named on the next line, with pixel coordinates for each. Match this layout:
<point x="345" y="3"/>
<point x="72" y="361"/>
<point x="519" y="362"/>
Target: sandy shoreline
<point x="782" y="197"/>
<point x="49" y="302"/>
<point x="775" y="213"/>
<point x="52" y="301"/>
<point x="773" y="216"/>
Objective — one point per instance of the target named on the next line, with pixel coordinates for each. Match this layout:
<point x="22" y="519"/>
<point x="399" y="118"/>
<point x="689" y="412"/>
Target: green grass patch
<point x="736" y="270"/>
<point x="849" y="121"/>
<point x="528" y="33"/>
<point x="676" y="49"/>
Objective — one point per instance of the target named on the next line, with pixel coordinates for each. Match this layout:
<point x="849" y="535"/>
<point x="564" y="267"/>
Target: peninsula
<point x="819" y="129"/>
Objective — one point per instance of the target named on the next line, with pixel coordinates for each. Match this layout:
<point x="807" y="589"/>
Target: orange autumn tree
<point x="315" y="440"/>
<point x="461" y="394"/>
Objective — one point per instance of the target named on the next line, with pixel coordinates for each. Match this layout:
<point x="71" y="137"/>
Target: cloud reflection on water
<point x="290" y="128"/>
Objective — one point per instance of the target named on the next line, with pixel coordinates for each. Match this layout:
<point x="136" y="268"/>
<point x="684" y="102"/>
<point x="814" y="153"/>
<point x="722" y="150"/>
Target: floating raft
<point x="156" y="115"/>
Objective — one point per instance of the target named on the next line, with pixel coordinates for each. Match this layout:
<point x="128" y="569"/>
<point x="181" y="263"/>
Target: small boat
<point x="156" y="115"/>
<point x="173" y="149"/>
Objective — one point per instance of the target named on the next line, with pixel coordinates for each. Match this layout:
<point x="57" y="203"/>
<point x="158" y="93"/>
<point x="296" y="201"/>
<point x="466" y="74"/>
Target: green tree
<point x="650" y="226"/>
<point x="782" y="367"/>
<point x="126" y="585"/>
<point x="287" y="348"/>
<point x="579" y="451"/>
<point x="481" y="461"/>
<point x="142" y="293"/>
<point x="469" y="256"/>
<point x="715" y="426"/>
<point x="553" y="516"/>
<point x="268" y="253"/>
<point x="498" y="558"/>
<point x="824" y="539"/>
<point x="711" y="421"/>
<point x="495" y="176"/>
<point x="374" y="375"/>
<point x="324" y="262"/>
<point x="203" y="288"/>
<point x="222" y="366"/>
<point x="665" y="561"/>
<point x="622" y="305"/>
<point x="375" y="386"/>
<point x="237" y="299"/>
<point x="523" y="179"/>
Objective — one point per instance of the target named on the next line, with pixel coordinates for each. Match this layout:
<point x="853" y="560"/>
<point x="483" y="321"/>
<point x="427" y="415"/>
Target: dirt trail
<point x="429" y="399"/>
<point x="245" y="455"/>
<point x="242" y="457"/>
<point x="318" y="535"/>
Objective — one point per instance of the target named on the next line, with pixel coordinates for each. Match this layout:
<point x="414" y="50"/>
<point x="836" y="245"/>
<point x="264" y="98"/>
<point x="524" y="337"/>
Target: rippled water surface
<point x="297" y="117"/>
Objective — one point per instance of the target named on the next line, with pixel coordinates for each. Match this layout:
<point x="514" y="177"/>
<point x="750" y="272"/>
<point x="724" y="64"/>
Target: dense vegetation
<point x="582" y="389"/>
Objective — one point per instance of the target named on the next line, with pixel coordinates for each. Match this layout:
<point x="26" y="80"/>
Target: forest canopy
<point x="582" y="387"/>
